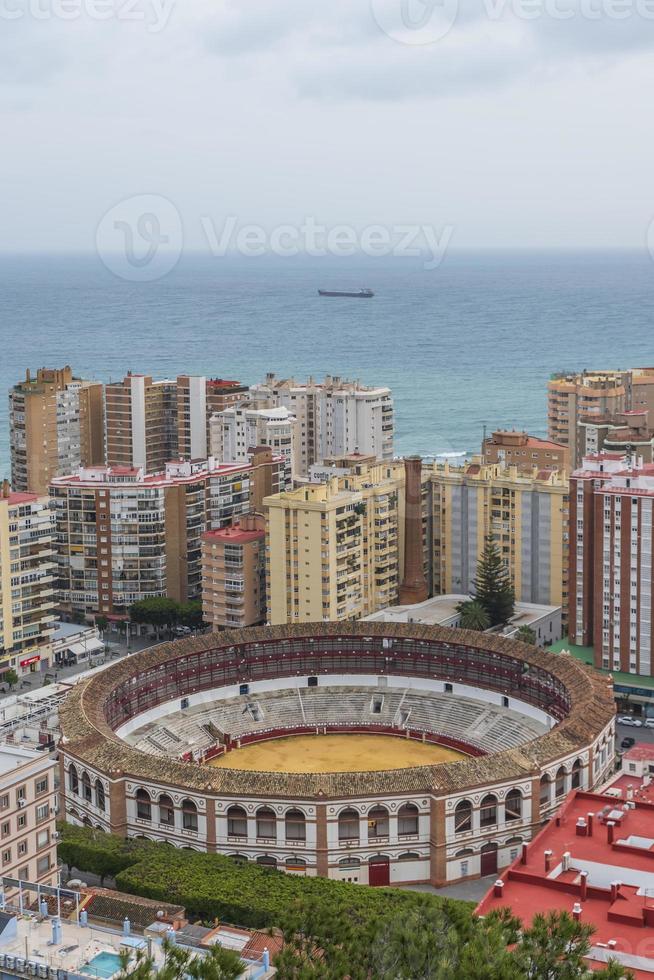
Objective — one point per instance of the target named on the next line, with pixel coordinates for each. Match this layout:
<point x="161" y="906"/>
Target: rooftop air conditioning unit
<point x="22" y="803"/>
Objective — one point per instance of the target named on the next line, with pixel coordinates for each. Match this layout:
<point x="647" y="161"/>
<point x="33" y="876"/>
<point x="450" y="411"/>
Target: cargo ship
<point x="359" y="294"/>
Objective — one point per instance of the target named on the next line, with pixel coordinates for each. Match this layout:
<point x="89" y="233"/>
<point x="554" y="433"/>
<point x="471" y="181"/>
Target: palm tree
<point x="526" y="635"/>
<point x="473" y="616"/>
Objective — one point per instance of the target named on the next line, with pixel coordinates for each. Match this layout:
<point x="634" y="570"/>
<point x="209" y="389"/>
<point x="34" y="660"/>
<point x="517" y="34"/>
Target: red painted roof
<point x="21" y="498"/>
<point x="529" y="889"/>
<point x="233" y="535"/>
<point x="641" y="751"/>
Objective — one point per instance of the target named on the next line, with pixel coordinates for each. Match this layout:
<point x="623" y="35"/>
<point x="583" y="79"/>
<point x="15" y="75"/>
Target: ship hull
<point x="358" y="295"/>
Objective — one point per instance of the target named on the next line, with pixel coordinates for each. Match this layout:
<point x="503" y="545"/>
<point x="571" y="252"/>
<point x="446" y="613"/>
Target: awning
<point x="92" y="645"/>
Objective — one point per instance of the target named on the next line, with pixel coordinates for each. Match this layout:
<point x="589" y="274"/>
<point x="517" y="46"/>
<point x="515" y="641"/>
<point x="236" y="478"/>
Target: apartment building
<point x="151" y="423"/>
<point x="28" y="842"/>
<point x="334" y="549"/>
<point x="624" y="433"/>
<point x="594" y="395"/>
<point x="611" y="506"/>
<point x="525" y="514"/>
<point x="234" y="574"/>
<point x="525" y="451"/>
<point x="124" y="535"/>
<point x="56" y="425"/>
<point x="335" y="417"/>
<point x="236" y="430"/>
<point x="27" y="579"/>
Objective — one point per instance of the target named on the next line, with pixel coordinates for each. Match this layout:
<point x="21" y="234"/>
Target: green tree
<point x="492" y="585"/>
<point x="101" y="622"/>
<point x="554" y="947"/>
<point x="526" y="635"/>
<point x="159" y="611"/>
<point x="10" y="677"/>
<point x="190" y="614"/>
<point x="217" y="964"/>
<point x="473" y="616"/>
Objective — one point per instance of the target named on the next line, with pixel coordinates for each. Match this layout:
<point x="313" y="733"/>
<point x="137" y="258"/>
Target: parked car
<point x="629" y="720"/>
<point x="627" y="742"/>
<point x="649" y="723"/>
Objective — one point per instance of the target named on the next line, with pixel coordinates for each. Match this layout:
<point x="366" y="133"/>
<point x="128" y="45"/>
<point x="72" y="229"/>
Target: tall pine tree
<point x="492" y="585"/>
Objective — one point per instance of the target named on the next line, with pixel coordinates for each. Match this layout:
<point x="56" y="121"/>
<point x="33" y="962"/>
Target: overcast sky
<point x="512" y="130"/>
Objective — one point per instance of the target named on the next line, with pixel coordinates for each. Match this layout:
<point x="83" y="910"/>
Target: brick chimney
<point x="414" y="585"/>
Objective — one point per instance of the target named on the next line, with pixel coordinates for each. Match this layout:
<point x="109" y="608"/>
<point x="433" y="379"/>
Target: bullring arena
<point x="371" y="752"/>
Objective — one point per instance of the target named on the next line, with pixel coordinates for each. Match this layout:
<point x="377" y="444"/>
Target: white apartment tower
<point x="335" y="417"/>
<point x="238" y="430"/>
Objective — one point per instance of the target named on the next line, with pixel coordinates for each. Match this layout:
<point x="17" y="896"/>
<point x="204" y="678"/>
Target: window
<point x="4" y="801"/>
<point x="576" y="774"/>
<point x="6" y="829"/>
<point x="189" y="815"/>
<point x="22" y="848"/>
<point x="42" y="812"/>
<point x="237" y="822"/>
<point x="560" y="781"/>
<point x="488" y="811"/>
<point x="21" y="793"/>
<point x="6" y="856"/>
<point x="41" y="786"/>
<point x="86" y="787"/>
<point x="24" y="873"/>
<point x="296" y="828"/>
<point x="266" y="823"/>
<point x="22" y="821"/>
<point x="73" y="780"/>
<point x="378" y="823"/>
<point x="143" y="805"/>
<point x="513" y="805"/>
<point x="43" y="865"/>
<point x="463" y="817"/>
<point x="348" y="825"/>
<point x="42" y="839"/>
<point x="99" y="795"/>
<point x="166" y="810"/>
<point x="545" y="789"/>
<point x="407" y="820"/>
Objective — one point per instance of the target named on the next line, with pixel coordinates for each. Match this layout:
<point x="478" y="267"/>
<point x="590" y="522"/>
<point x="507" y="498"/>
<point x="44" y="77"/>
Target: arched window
<point x="488" y="811"/>
<point x="143" y="805"/>
<point x="463" y="817"/>
<point x="409" y="856"/>
<point x="378" y="823"/>
<point x="296" y="827"/>
<point x="99" y="795"/>
<point x="513" y="805"/>
<point x="349" y="862"/>
<point x="576" y="774"/>
<point x="166" y="810"/>
<point x="407" y="820"/>
<point x="560" y="781"/>
<point x="266" y="823"/>
<point x="189" y="815"/>
<point x="267" y="861"/>
<point x="545" y="784"/>
<point x="73" y="780"/>
<point x="238" y="858"/>
<point x="237" y="822"/>
<point x="348" y="825"/>
<point x="296" y="865"/>
<point x="86" y="787"/>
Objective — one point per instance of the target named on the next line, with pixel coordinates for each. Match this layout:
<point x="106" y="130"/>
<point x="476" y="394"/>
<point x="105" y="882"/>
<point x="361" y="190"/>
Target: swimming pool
<point x="102" y="965"/>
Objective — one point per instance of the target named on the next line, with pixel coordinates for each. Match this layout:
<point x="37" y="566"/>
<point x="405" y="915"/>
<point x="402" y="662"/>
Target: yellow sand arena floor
<point x="334" y="753"/>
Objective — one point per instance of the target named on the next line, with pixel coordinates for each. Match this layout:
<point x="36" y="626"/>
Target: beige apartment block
<point x="28" y="842"/>
<point x="335" y="417"/>
<point x="334" y="549"/>
<point x="234" y="574"/>
<point x="27" y="581"/>
<point x="525" y="514"/>
<point x="56" y="424"/>
<point x="124" y="535"/>
<point x="574" y="396"/>
<point x="525" y="451"/>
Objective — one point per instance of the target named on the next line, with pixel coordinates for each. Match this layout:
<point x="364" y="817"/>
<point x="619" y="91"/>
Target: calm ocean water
<point x="470" y="343"/>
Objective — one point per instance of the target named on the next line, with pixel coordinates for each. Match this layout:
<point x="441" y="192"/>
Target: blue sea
<point x="469" y="344"/>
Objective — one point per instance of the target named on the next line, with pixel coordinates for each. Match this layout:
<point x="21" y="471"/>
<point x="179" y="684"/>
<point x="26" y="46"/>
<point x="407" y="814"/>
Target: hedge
<point x="212" y="886"/>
